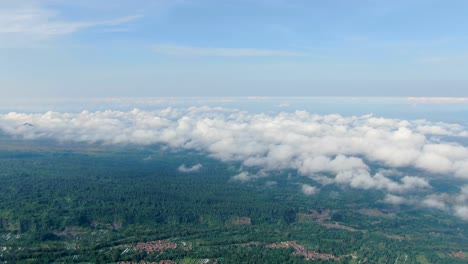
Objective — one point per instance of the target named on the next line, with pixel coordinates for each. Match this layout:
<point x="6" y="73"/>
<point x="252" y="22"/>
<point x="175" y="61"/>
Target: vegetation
<point x="76" y="204"/>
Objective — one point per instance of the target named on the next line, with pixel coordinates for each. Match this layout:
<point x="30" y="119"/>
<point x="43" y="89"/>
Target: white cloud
<point x="243" y="176"/>
<point x="247" y="176"/>
<point x="178" y="50"/>
<point x="435" y="201"/>
<point x="461" y="168"/>
<point x="331" y="149"/>
<point x="301" y="141"/>
<point x="42" y="23"/>
<point x="461" y="211"/>
<point x="412" y="182"/>
<point x="362" y="179"/>
<point x="394" y="199"/>
<point x="436" y="130"/>
<point x="462" y="198"/>
<point x="390" y="172"/>
<point x="194" y="168"/>
<point x="438" y="99"/>
<point x="308" y="189"/>
<point x="308" y="143"/>
<point x="325" y="164"/>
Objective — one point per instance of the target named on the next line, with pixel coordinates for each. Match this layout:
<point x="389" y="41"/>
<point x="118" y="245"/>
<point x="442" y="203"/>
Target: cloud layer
<point x="331" y="149"/>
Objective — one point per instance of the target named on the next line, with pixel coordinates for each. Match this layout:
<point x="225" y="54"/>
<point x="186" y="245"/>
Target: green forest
<point x="71" y="203"/>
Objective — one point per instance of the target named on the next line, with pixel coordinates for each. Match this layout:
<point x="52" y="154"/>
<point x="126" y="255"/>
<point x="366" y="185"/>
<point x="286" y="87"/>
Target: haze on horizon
<point x="123" y="48"/>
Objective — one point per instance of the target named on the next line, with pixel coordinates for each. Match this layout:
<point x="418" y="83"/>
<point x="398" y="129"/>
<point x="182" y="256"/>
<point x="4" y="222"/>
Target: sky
<point x="125" y="48"/>
<point x="224" y="61"/>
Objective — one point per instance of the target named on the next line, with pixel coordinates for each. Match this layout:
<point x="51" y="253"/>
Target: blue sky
<point x="124" y="48"/>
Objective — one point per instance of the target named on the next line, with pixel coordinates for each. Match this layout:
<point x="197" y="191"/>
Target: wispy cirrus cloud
<point x="43" y="22"/>
<point x="438" y="99"/>
<point x="191" y="51"/>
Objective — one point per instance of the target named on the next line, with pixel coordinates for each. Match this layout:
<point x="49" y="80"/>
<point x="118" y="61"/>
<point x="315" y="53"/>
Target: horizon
<point x="233" y="131"/>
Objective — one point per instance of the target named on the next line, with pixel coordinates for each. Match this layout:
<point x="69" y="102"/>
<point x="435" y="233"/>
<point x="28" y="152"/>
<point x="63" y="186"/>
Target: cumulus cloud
<point x="245" y="176"/>
<point x="302" y="141"/>
<point x="455" y="203"/>
<point x="394" y="199"/>
<point x="463" y="196"/>
<point x="364" y="180"/>
<point x="183" y="168"/>
<point x="435" y="201"/>
<point x="461" y="211"/>
<point x="325" y="164"/>
<point x="330" y="149"/>
<point x="308" y="189"/>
